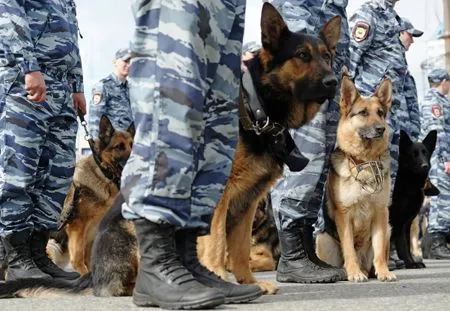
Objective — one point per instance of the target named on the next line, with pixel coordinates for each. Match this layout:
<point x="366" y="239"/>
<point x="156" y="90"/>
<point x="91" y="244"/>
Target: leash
<point x="88" y="137"/>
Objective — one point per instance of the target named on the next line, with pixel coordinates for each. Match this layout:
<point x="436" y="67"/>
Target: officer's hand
<point x="447" y="167"/>
<point x="35" y="87"/>
<point x="80" y="103"/>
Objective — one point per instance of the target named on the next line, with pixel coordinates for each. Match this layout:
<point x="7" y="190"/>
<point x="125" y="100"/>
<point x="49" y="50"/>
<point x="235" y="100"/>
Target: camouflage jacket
<point x="410" y="109"/>
<point x="39" y="35"/>
<point x="435" y="115"/>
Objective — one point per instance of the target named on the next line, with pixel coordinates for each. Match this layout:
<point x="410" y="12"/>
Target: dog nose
<point x="380" y="130"/>
<point x="330" y="81"/>
<point x="424" y="166"/>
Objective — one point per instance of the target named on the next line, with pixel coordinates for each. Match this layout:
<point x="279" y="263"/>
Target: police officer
<point x="435" y="115"/>
<point x="408" y="114"/>
<point x="184" y="85"/>
<point x="110" y="96"/>
<point x="377" y="53"/>
<point x="41" y="88"/>
<point x="298" y="196"/>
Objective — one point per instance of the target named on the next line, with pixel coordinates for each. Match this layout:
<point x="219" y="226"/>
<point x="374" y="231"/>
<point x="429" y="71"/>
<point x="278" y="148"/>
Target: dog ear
<point x="349" y="94"/>
<point x="331" y="32"/>
<point x="430" y="141"/>
<point x="429" y="189"/>
<point x="131" y="129"/>
<point x="106" y="130"/>
<point x="384" y="94"/>
<point x="405" y="140"/>
<point x="273" y="27"/>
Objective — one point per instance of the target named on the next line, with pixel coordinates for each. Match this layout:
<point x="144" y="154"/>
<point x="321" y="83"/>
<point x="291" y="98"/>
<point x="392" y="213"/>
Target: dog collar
<point x="368" y="174"/>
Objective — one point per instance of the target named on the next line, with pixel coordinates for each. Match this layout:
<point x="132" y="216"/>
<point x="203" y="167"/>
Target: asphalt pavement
<point x="424" y="289"/>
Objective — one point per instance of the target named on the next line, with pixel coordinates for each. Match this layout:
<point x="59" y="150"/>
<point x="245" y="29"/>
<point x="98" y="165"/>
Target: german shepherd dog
<point x="94" y="187"/>
<point x="292" y="75"/>
<point x="408" y="195"/>
<point x="357" y="216"/>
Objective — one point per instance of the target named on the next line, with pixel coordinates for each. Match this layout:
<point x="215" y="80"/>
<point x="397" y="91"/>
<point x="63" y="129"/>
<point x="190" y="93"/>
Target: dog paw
<point x="386" y="276"/>
<point x="268" y="288"/>
<point x="357" y="277"/>
<point x="415" y="265"/>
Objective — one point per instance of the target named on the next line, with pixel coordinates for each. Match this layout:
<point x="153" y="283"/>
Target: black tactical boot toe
<point x="439" y="249"/>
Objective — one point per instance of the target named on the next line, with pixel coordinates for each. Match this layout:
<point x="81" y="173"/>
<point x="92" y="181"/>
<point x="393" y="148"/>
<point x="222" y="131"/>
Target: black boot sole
<point x="288" y="278"/>
<point x="143" y="300"/>
<point x="243" y="298"/>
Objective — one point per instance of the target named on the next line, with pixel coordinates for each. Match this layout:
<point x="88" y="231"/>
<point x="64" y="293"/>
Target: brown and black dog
<point x="357" y="227"/>
<point x="94" y="187"/>
<point x="292" y="75"/>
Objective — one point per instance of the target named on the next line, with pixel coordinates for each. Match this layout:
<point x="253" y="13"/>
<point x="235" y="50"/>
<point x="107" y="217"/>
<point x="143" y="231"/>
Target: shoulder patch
<point x="436" y="111"/>
<point x="361" y="31"/>
<point x="96" y="98"/>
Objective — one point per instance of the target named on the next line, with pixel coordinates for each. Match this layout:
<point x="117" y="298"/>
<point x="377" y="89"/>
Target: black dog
<point x="408" y="195"/>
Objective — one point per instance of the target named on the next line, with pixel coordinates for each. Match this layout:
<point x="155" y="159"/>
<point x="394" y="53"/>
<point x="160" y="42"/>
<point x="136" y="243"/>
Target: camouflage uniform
<point x="435" y="115"/>
<point x="377" y="53"/>
<point x="298" y="195"/>
<point x="37" y="141"/>
<point x="183" y="97"/>
<point x="110" y="97"/>
<point x="408" y="114"/>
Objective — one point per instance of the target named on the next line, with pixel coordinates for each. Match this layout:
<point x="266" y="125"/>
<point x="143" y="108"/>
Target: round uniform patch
<point x="361" y="31"/>
<point x="436" y="111"/>
<point x="97" y="98"/>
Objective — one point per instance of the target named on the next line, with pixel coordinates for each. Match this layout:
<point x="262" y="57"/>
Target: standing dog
<point x="292" y="75"/>
<point x="94" y="187"/>
<point x="408" y="194"/>
<point x="359" y="187"/>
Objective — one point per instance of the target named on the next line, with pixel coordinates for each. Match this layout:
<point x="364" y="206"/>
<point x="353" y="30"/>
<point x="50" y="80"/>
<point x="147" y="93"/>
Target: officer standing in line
<point x="41" y="90"/>
<point x="435" y="115"/>
<point x="298" y="196"/>
<point x="110" y="97"/>
<point x="377" y="53"/>
<point x="409" y="116"/>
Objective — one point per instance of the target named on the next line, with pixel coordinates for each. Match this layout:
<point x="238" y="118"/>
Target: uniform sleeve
<point x="16" y="40"/>
<point x="412" y="104"/>
<point x="97" y="107"/>
<point x="432" y="118"/>
<point x="75" y="75"/>
<point x="362" y="33"/>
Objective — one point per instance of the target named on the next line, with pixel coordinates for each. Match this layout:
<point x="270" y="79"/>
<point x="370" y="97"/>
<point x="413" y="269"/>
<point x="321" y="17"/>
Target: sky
<point x="108" y="25"/>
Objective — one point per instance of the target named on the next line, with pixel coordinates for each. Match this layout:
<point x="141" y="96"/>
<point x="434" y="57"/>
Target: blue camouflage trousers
<point x="439" y="216"/>
<point x="183" y="91"/>
<point x="299" y="196"/>
<point x="37" y="152"/>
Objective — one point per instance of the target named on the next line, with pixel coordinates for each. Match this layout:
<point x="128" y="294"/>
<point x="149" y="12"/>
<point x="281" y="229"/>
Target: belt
<point x="57" y="73"/>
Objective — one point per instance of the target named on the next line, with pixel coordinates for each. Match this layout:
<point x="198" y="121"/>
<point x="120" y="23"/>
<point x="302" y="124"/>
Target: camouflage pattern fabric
<point x="184" y="84"/>
<point x="408" y="114"/>
<point x="376" y="53"/>
<point x="110" y="97"/>
<point x="37" y="140"/>
<point x="435" y="115"/>
<point x="298" y="196"/>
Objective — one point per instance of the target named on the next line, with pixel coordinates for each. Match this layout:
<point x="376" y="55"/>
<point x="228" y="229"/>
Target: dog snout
<point x="380" y="130"/>
<point x="424" y="166"/>
<point x="330" y="81"/>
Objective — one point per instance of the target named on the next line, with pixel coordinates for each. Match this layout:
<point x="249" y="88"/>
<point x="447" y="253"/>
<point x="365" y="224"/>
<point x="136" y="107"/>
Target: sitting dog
<point x="284" y="87"/>
<point x="356" y="219"/>
<point x="95" y="185"/>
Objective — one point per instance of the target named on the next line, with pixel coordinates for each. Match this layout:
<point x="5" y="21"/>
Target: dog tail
<point x="46" y="288"/>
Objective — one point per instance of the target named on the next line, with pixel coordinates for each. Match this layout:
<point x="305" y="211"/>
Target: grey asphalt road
<point x="425" y="289"/>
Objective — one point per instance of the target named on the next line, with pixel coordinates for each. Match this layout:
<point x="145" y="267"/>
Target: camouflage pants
<point x="183" y="92"/>
<point x="299" y="196"/>
<point x="439" y="216"/>
<point x="37" y="152"/>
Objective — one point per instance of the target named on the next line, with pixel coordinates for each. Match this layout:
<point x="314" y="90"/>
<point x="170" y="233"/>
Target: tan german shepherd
<point x="359" y="186"/>
<point x="93" y="191"/>
<point x="293" y="76"/>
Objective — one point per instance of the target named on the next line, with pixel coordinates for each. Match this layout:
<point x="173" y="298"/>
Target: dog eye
<point x="303" y="56"/>
<point x="364" y="113"/>
<point x="381" y="113"/>
<point x="120" y="146"/>
<point x="327" y="57"/>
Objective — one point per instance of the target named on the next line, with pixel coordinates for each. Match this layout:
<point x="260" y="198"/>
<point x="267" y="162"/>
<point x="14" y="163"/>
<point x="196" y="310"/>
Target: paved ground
<point x="426" y="289"/>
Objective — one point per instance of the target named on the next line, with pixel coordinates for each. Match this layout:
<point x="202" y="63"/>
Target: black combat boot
<point x="186" y="245"/>
<point x="162" y="279"/>
<point x="439" y="249"/>
<point x="39" y="240"/>
<point x="2" y="261"/>
<point x="394" y="262"/>
<point x="299" y="262"/>
<point x="18" y="257"/>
